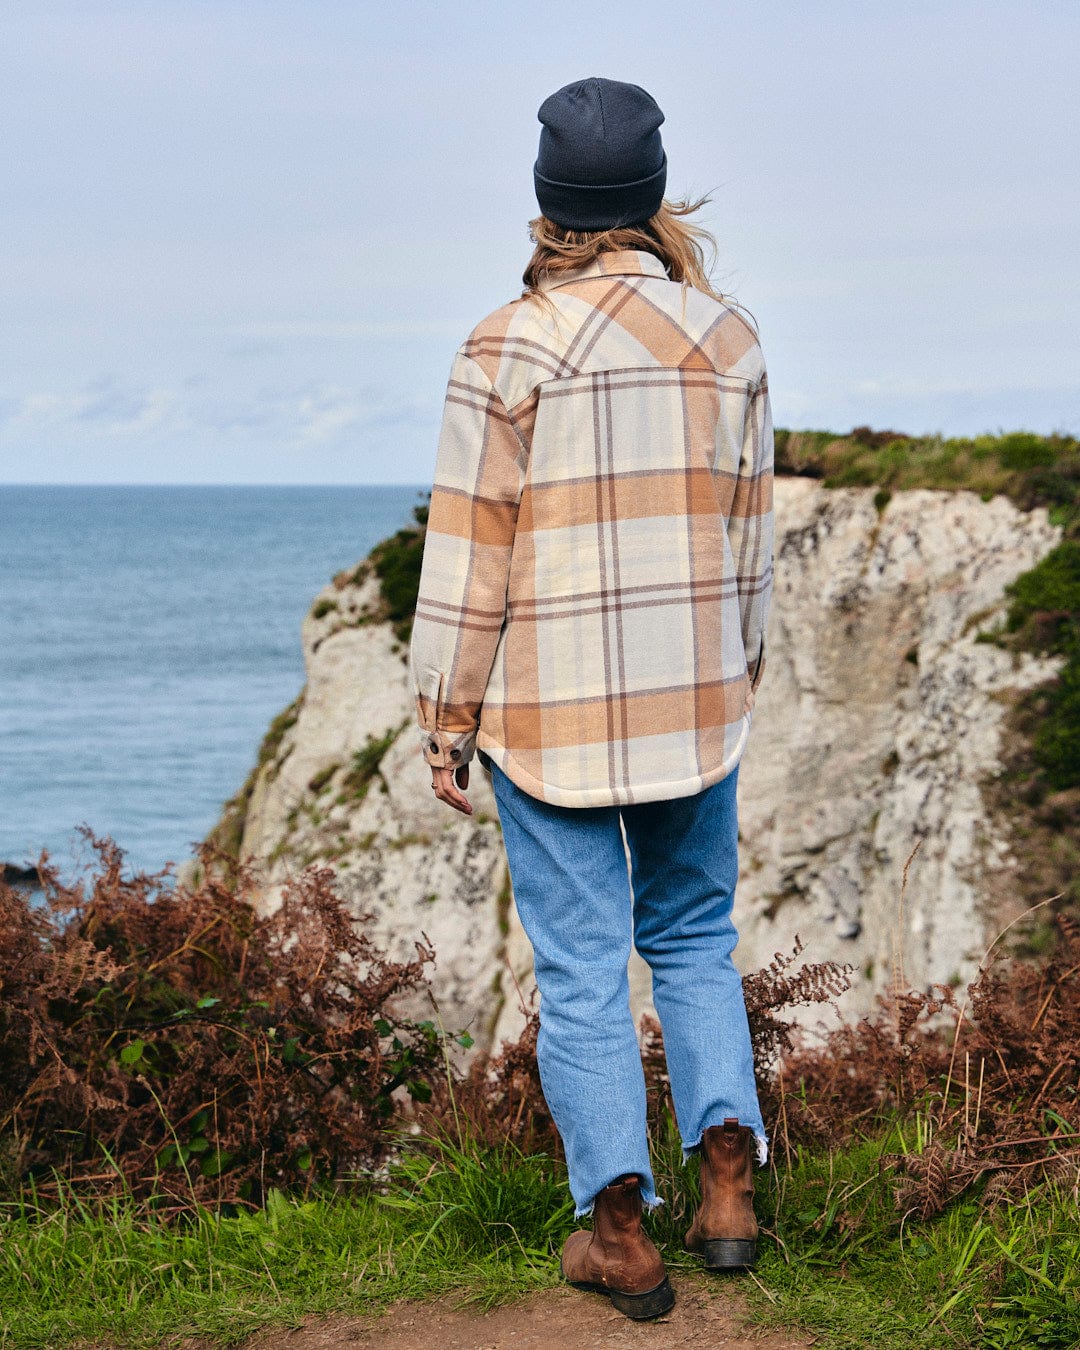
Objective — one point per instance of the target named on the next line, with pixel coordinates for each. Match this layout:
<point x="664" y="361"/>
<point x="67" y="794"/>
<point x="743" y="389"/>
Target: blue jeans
<point x="573" y="893"/>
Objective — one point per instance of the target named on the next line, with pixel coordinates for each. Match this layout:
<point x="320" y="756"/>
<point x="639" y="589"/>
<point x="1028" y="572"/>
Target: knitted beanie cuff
<point x="600" y="206"/>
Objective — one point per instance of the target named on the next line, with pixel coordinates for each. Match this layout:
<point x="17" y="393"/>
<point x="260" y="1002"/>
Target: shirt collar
<point x="619" y="262"/>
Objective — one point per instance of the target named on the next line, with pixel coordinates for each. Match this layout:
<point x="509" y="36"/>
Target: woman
<point x="591" y="623"/>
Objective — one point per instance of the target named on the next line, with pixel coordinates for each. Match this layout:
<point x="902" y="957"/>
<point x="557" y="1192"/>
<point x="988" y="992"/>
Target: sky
<point x="242" y="241"/>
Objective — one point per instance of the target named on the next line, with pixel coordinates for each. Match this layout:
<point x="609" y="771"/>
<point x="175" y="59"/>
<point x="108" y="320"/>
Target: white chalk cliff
<point x="878" y="720"/>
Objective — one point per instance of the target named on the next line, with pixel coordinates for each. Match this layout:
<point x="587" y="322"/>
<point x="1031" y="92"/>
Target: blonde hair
<point x="688" y="251"/>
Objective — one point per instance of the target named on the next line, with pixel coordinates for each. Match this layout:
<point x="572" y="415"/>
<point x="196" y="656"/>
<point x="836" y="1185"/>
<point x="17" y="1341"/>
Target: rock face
<point x="878" y="720"/>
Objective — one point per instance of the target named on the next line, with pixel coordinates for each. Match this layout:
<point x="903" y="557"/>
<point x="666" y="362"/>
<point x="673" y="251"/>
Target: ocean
<point x="148" y="635"/>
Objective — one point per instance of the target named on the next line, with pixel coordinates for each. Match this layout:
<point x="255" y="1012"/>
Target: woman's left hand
<point x="446" y="783"/>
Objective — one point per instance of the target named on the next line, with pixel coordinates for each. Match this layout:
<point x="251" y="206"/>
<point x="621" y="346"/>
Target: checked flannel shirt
<point x="598" y="566"/>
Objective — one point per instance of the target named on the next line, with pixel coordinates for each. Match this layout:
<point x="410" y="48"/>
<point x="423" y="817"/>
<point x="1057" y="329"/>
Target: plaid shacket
<point x="598" y="565"/>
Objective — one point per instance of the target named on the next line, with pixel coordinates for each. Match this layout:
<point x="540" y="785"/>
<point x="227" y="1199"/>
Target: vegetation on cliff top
<point x="1031" y="470"/>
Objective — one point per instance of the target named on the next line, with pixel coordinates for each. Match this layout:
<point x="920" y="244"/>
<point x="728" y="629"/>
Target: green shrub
<point x="397" y="562"/>
<point x="1057" y="739"/>
<point x="366" y="761"/>
<point x="321" y="781"/>
<point x="1023" y="451"/>
<point x="1044" y="616"/>
<point x="1051" y="586"/>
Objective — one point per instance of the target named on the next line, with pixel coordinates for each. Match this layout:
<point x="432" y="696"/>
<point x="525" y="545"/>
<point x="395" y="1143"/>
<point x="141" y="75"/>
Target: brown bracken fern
<point x="179" y="1045"/>
<point x="184" y="1046"/>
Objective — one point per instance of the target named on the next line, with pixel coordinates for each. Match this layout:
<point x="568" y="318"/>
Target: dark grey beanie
<point x="601" y="162"/>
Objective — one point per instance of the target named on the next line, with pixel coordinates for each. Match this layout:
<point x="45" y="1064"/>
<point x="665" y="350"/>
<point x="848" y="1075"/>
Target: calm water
<point x="147" y="637"/>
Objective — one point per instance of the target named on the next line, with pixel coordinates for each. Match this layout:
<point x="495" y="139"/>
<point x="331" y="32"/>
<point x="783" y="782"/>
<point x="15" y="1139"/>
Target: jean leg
<point x="685" y="867"/>
<point x="569" y="874"/>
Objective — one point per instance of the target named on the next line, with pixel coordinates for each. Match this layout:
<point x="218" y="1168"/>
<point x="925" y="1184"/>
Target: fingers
<point x="447" y="790"/>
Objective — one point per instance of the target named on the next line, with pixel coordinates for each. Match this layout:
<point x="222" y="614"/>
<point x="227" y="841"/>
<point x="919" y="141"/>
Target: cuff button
<point x="433" y="746"/>
<point x="455" y="754"/>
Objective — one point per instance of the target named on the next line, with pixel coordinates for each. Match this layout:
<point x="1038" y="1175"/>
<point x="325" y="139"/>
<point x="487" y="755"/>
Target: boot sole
<point x="638" y="1306"/>
<point x="730" y="1253"/>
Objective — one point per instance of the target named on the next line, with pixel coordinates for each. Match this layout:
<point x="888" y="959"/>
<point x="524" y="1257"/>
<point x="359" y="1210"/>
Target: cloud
<point x="306" y="415"/>
<point x="103" y="408"/>
<point x="324" y="415"/>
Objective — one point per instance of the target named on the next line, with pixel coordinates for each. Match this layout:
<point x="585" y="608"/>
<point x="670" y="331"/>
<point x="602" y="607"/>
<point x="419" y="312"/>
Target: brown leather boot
<point x="617" y="1258"/>
<point x="725" y="1228"/>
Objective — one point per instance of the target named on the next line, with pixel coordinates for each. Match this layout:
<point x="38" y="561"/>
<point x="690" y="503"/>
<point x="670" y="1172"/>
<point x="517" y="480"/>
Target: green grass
<point x="967" y="1278"/>
<point x="482" y="1205"/>
<point x="486" y="1225"/>
<point x="837" y="1258"/>
<point x="481" y="1225"/>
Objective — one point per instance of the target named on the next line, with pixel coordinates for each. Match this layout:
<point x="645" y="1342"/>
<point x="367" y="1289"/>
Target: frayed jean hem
<point x="649" y="1202"/>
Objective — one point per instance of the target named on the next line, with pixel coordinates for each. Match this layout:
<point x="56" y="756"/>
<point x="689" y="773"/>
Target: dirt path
<point x="706" y="1315"/>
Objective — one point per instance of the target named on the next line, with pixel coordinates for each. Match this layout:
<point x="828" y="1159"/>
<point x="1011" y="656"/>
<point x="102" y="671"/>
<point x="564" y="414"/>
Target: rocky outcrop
<point x="22" y="875"/>
<point x="878" y="724"/>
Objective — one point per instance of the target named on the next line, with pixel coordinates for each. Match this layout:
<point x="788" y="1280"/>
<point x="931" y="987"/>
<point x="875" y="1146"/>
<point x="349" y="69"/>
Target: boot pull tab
<point x="625" y="1184"/>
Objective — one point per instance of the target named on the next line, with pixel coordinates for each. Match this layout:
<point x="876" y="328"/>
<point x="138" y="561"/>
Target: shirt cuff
<point x="447" y="750"/>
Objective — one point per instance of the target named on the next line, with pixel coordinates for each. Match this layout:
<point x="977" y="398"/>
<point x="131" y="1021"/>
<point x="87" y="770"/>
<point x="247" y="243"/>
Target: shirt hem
<point x="606" y="796"/>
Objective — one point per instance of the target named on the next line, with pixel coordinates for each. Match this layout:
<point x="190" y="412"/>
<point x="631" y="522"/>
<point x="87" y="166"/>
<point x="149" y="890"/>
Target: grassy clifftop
<point x="1031" y="470"/>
